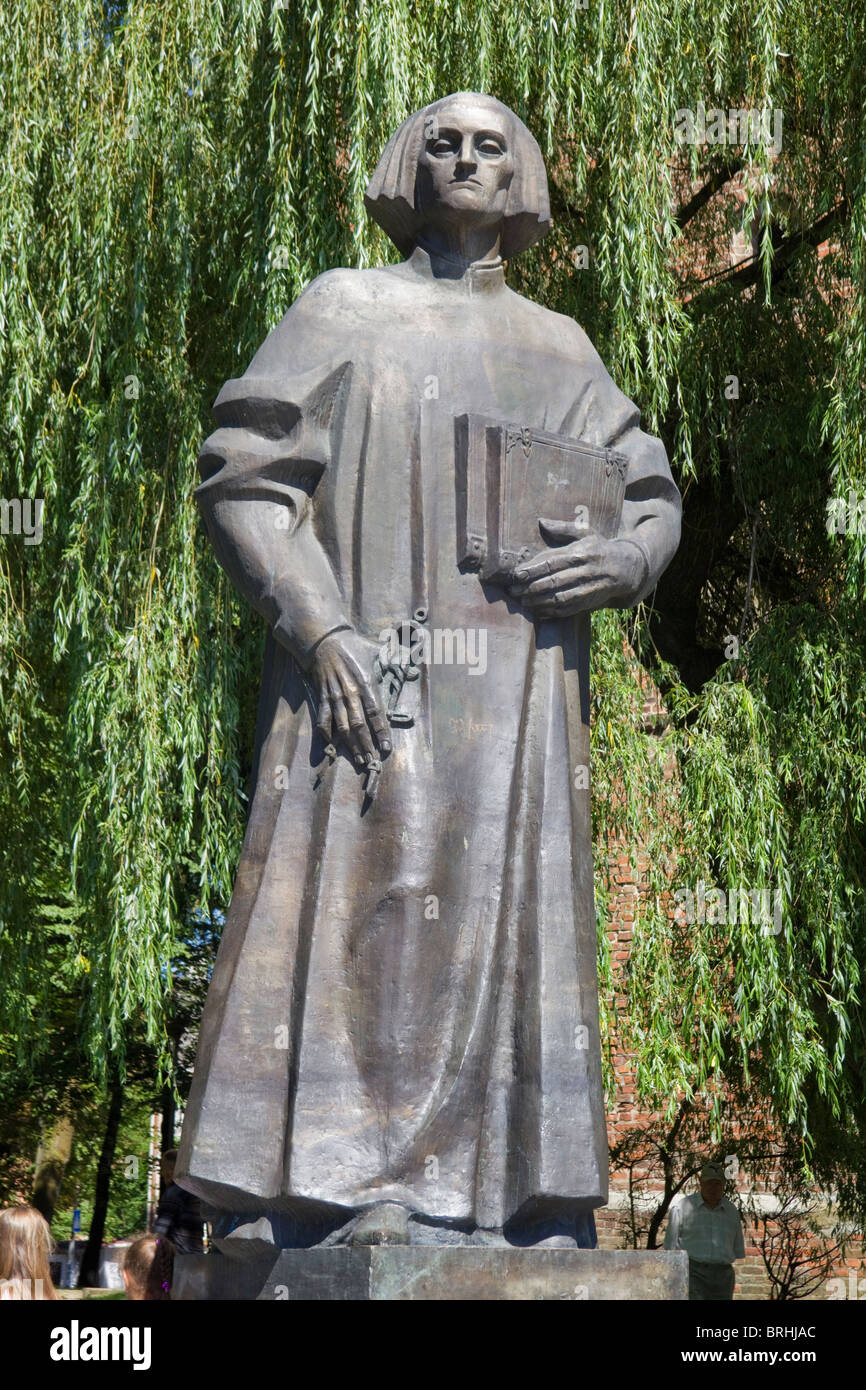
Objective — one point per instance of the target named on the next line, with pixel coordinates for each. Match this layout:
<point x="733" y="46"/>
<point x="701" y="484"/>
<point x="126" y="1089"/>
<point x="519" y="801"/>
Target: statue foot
<point x="387" y="1224"/>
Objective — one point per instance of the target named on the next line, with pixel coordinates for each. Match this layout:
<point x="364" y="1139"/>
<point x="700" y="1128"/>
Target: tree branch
<point x="717" y="180"/>
<point x="748" y="272"/>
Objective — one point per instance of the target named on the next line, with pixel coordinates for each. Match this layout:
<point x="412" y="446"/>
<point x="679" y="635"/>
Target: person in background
<point x="178" y="1215"/>
<point x="708" y="1227"/>
<point x="147" y="1269"/>
<point x="25" y="1245"/>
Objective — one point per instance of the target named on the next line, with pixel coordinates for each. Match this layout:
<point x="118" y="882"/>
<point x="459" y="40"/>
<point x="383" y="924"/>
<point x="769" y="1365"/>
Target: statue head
<point x="464" y="159"/>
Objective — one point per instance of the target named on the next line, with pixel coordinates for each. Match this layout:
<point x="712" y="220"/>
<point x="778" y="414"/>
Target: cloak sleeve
<point x="259" y="470"/>
<point x="652" y="507"/>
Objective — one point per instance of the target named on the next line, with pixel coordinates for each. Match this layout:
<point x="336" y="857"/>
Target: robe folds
<point x="404" y="1004"/>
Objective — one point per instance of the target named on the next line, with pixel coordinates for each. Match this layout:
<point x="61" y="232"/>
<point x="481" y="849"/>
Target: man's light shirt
<point x="713" y="1235"/>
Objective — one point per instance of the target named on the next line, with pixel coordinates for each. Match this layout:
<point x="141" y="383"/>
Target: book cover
<point x="509" y="477"/>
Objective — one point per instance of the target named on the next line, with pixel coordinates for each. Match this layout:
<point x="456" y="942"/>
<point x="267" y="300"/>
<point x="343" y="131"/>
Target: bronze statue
<point x="403" y="1017"/>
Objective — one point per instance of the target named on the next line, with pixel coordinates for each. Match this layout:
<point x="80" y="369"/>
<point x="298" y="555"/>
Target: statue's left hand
<point x="588" y="573"/>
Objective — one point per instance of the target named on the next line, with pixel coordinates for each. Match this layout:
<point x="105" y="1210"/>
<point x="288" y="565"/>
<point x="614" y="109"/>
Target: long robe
<point x="404" y="1005"/>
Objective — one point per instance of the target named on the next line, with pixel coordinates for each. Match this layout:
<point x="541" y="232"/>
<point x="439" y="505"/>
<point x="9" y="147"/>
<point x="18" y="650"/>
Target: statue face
<point x="465" y="167"/>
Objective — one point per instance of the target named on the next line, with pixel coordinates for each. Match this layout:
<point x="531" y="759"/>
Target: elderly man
<point x="707" y="1226"/>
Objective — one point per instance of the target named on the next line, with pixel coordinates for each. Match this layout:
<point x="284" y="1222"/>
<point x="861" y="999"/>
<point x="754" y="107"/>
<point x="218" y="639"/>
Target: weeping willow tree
<point x="174" y="173"/>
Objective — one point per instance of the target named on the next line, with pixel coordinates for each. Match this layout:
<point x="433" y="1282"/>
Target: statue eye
<point x="489" y="147"/>
<point x="441" y="147"/>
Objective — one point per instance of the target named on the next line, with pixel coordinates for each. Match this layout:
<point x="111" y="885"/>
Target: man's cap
<point x="712" y="1172"/>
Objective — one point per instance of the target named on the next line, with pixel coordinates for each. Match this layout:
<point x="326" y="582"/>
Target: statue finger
<point x="366" y="744"/>
<point x="362" y="738"/>
<point x="341" y="715"/>
<point x="566" y="577"/>
<point x="531" y="569"/>
<point x="324" y="718"/>
<point x="563" y="530"/>
<point x="530" y="573"/>
<point x="566" y="602"/>
<point x="358" y="737"/>
<point x="376" y="719"/>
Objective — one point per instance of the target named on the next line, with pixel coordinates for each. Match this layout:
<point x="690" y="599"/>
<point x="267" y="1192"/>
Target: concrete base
<point x="410" y="1273"/>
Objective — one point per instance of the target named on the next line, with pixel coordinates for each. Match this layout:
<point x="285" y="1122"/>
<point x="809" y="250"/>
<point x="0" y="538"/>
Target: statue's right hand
<point x="349" y="702"/>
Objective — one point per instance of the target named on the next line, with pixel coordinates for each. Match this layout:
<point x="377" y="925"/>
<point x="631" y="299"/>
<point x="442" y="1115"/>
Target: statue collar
<point x="482" y="277"/>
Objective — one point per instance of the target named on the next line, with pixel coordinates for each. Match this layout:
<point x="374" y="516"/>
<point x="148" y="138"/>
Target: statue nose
<point x="466" y="157"/>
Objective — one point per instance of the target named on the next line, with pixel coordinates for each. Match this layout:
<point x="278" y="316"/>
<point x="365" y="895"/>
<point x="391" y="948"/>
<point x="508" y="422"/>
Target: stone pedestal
<point x="409" y="1273"/>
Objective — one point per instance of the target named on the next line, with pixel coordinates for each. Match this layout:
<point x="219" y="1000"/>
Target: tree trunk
<point x="168" y="1119"/>
<point x="667" y="1151"/>
<point x="89" y="1276"/>
<point x="52" y="1156"/>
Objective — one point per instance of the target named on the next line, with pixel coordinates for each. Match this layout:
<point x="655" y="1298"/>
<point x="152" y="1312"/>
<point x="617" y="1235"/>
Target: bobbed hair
<point x="391" y="194"/>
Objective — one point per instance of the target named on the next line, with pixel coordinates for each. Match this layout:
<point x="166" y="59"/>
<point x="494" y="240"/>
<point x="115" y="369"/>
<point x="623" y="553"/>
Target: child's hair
<point x="149" y="1263"/>
<point x="25" y="1245"/>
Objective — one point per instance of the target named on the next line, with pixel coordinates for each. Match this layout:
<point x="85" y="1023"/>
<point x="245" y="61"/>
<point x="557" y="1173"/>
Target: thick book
<point x="510" y="477"/>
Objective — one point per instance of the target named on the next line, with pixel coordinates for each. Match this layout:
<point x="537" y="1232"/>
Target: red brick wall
<point x="625" y="1114"/>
